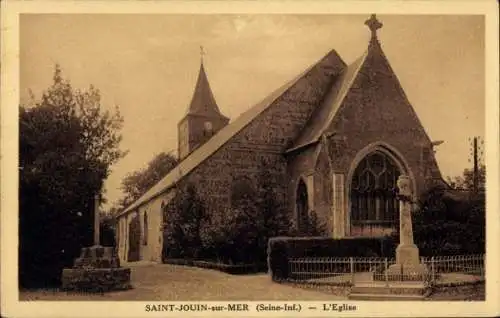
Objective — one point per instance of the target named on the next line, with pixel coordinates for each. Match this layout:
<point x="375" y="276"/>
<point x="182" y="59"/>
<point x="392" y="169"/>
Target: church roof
<point x="213" y="144"/>
<point x="203" y="101"/>
<point x="323" y="115"/>
<point x="314" y="129"/>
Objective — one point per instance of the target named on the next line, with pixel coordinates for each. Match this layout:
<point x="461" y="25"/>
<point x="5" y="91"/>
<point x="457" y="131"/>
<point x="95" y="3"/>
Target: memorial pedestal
<point x="96" y="270"/>
<point x="408" y="266"/>
<point x="98" y="267"/>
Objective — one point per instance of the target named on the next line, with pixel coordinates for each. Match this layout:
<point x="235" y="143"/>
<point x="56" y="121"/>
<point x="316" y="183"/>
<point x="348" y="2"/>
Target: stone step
<point x="377" y="297"/>
<point x="388" y="291"/>
<point x="401" y="284"/>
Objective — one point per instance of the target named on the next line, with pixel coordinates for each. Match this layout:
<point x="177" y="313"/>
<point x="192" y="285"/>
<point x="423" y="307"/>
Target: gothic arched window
<point x="302" y="207"/>
<point x="373" y="190"/>
<point x="145" y="232"/>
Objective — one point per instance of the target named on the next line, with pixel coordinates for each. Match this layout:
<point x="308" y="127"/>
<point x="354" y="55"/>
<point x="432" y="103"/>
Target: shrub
<point x="186" y="215"/>
<point x="450" y="222"/>
<point x="240" y="234"/>
<point x="280" y="249"/>
<point x="226" y="268"/>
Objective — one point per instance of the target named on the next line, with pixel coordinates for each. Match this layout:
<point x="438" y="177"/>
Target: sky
<point x="148" y="65"/>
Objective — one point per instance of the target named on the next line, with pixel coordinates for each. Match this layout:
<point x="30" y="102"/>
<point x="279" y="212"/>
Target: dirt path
<point x="164" y="282"/>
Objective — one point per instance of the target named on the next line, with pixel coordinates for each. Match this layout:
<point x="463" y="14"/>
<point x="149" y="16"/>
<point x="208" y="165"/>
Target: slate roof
<point x="203" y="101"/>
<point x="312" y="132"/>
<point x="323" y="115"/>
<point x="213" y="144"/>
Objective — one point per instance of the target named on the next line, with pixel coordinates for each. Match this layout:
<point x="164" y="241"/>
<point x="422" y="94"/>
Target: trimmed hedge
<point x="178" y="261"/>
<point x="281" y="249"/>
<point x="226" y="268"/>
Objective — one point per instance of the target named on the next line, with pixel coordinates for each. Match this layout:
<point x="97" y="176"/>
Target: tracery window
<point x="373" y="190"/>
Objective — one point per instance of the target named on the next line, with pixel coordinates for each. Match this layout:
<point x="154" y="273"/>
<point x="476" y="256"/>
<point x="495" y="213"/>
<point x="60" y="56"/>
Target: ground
<point x="166" y="282"/>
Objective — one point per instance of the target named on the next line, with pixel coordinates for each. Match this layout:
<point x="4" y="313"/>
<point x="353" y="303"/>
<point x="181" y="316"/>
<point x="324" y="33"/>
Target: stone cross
<point x="405" y="222"/>
<point x="407" y="264"/>
<point x="373" y="24"/>
<point x="202" y="53"/>
<point x="96" y="220"/>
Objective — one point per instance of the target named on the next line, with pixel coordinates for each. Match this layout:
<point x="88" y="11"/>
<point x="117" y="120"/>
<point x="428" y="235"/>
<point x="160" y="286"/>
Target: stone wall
<point x="151" y="251"/>
<point x="376" y="114"/>
<point x="376" y="110"/>
<point x="264" y="139"/>
<point x="323" y="191"/>
<point x="300" y="165"/>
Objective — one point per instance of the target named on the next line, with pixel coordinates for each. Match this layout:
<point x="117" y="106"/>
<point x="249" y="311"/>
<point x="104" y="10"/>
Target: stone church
<point x="337" y="137"/>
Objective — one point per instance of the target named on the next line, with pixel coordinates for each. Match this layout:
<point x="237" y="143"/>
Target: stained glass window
<point x="373" y="190"/>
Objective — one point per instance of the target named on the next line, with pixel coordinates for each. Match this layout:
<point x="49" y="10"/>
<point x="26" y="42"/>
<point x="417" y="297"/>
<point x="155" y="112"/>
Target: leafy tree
<point x="314" y="226"/>
<point x="107" y="230"/>
<point x="184" y="216"/>
<point x="67" y="145"/>
<point x="450" y="222"/>
<point x="273" y="216"/>
<point x="137" y="183"/>
<point x="466" y="180"/>
<point x="240" y="234"/>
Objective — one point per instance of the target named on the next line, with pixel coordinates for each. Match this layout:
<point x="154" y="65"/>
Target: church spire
<point x="373" y="24"/>
<point x="203" y="119"/>
<point x="203" y="100"/>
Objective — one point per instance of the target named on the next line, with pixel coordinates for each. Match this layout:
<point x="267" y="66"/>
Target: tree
<point x="275" y="221"/>
<point x="466" y="180"/>
<point x="185" y="215"/>
<point x="240" y="234"/>
<point x="67" y="145"/>
<point x="137" y="183"/>
<point x="449" y="223"/>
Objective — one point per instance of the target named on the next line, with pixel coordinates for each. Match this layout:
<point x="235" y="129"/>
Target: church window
<point x="373" y="190"/>
<point x="145" y="239"/>
<point x="302" y="207"/>
<point x="208" y="128"/>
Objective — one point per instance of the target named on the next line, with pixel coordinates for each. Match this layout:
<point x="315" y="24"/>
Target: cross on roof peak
<point x="202" y="53"/>
<point x="373" y="24"/>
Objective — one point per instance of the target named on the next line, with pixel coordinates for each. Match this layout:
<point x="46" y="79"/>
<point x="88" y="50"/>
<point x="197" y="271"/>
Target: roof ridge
<point x="219" y="140"/>
<point x="345" y="84"/>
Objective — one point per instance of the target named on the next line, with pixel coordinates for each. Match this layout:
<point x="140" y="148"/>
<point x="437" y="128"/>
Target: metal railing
<point x="449" y="269"/>
<point x="352" y="270"/>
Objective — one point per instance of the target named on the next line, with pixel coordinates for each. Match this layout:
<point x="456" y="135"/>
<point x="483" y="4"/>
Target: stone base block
<point x="97" y="257"/>
<point x="95" y="279"/>
<point x="407" y="272"/>
<point x="407" y="254"/>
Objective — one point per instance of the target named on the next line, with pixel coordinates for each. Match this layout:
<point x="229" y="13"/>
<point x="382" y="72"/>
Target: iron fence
<point x="449" y="269"/>
<point x="353" y="270"/>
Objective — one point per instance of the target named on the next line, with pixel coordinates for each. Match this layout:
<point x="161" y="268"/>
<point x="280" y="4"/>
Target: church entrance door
<point x="134" y="240"/>
<point x="374" y="207"/>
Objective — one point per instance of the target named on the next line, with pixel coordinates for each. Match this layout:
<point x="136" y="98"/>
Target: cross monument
<point x="408" y="264"/>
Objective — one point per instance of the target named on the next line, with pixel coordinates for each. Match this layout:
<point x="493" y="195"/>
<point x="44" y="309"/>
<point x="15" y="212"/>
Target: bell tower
<point x="203" y="118"/>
